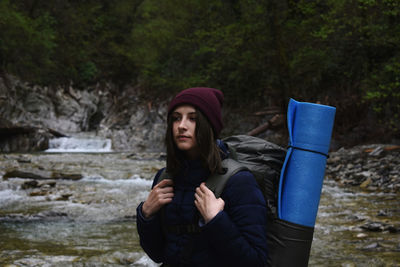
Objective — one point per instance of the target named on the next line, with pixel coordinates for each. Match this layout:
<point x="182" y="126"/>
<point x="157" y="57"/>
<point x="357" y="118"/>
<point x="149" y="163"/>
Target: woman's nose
<point x="182" y="123"/>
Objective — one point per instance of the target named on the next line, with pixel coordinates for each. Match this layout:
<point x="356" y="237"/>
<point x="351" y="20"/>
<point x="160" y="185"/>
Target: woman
<point x="182" y="223"/>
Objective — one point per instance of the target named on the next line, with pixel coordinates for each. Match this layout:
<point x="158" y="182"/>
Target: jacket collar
<point x="224" y="149"/>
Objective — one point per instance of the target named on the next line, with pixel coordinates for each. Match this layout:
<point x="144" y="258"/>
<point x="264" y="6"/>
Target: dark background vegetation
<point x="343" y="53"/>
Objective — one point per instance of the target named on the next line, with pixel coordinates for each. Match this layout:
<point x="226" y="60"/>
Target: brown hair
<point x="206" y="141"/>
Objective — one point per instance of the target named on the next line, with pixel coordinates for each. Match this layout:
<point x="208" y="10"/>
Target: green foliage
<point x="59" y="42"/>
<point x="204" y="43"/>
<point x="26" y="44"/>
<point x="253" y="50"/>
<point x="383" y="90"/>
<point x="363" y="40"/>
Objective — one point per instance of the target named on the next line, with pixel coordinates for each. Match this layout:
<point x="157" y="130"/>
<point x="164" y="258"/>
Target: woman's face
<point x="183" y="130"/>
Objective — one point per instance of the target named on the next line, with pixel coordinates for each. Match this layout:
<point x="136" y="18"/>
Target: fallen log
<point x="270" y="111"/>
<point x="386" y="148"/>
<point x="40" y="175"/>
<point x="275" y="121"/>
<point x="24" y="174"/>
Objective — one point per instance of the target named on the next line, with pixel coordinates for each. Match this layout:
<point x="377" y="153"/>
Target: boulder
<point x="14" y="138"/>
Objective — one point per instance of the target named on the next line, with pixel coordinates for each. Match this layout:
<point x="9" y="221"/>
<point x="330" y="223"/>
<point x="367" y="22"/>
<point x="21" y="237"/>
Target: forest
<point x="343" y="53"/>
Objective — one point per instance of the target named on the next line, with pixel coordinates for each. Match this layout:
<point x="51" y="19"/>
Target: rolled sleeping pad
<point x="290" y="233"/>
<point x="310" y="130"/>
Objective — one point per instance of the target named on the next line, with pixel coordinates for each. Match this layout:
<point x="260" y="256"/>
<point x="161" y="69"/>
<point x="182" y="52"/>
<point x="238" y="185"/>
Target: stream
<point x="91" y="221"/>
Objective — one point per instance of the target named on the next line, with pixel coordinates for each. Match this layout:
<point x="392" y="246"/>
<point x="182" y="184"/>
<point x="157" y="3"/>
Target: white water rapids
<point x="79" y="144"/>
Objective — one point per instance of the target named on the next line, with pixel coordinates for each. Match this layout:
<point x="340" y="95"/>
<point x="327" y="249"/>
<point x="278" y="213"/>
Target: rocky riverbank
<point x="372" y="167"/>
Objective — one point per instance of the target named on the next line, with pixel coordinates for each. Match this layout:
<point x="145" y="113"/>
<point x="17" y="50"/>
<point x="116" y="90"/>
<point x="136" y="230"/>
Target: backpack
<point x="262" y="158"/>
<point x="289" y="244"/>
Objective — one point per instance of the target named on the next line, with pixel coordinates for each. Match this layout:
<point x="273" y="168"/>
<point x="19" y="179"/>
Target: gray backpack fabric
<point x="262" y="158"/>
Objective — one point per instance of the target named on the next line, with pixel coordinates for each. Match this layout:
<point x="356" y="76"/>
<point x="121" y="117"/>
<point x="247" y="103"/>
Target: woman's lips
<point x="183" y="137"/>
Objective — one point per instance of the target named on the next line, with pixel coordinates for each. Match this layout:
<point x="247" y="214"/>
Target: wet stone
<point x="366" y="183"/>
<point x="38" y="193"/>
<point x="64" y="197"/>
<point x="29" y="184"/>
<point x="372" y="246"/>
<point x="48" y="184"/>
<point x="383" y="213"/>
<point x="376" y="152"/>
<point x="51" y="214"/>
<point x="374" y="226"/>
<point x="393" y="229"/>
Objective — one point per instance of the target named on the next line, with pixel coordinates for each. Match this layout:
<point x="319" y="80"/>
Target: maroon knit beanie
<point x="208" y="100"/>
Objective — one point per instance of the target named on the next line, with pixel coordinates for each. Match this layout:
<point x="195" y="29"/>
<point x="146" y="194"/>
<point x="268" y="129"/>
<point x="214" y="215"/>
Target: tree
<point x="26" y="44"/>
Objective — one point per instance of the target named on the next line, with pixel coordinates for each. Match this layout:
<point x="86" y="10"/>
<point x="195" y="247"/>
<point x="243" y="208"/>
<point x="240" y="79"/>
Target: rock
<point x="67" y="176"/>
<point x="373" y="188"/>
<point x="29" y="184"/>
<point x="393" y="229"/>
<point x="332" y="160"/>
<point x="376" y="152"/>
<point x="51" y="214"/>
<point x="38" y="193"/>
<point x="366" y="183"/>
<point x="374" y="226"/>
<point x="64" y="197"/>
<point x="366" y="174"/>
<point x="372" y="246"/>
<point x="40" y="110"/>
<point x="50" y="184"/>
<point x="15" y="138"/>
<point x="23" y="159"/>
<point x="382" y="213"/>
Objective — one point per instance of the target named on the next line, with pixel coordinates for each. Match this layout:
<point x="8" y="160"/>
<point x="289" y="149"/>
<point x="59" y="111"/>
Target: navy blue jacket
<point x="236" y="236"/>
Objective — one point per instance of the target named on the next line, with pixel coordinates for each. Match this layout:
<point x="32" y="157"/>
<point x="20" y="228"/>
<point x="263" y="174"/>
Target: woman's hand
<point x="161" y="194"/>
<point x="206" y="203"/>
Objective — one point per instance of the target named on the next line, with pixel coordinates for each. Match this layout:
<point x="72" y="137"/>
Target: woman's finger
<point x="205" y="189"/>
<point x="199" y="192"/>
<point x="166" y="190"/>
<point x="197" y="196"/>
<point x="164" y="183"/>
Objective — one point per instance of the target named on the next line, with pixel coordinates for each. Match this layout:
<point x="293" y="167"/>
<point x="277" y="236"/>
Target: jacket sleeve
<point x="150" y="232"/>
<point x="238" y="233"/>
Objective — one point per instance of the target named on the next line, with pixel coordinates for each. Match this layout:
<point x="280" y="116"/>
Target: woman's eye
<point x="192" y="118"/>
<point x="176" y="118"/>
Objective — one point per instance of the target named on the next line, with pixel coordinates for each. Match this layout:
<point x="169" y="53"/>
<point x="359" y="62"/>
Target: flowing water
<point x="91" y="221"/>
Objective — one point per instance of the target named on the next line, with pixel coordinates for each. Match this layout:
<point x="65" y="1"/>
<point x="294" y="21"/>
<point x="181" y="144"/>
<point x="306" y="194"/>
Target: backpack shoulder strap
<point x="217" y="182"/>
<point x="163" y="175"/>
